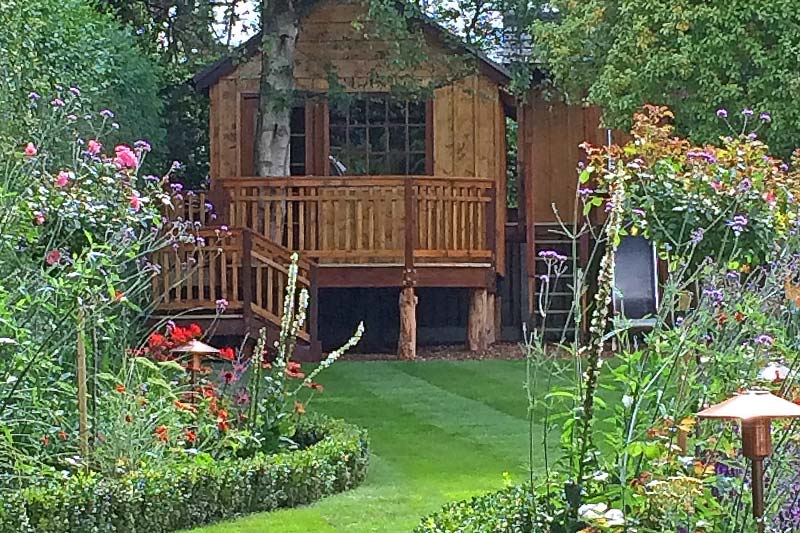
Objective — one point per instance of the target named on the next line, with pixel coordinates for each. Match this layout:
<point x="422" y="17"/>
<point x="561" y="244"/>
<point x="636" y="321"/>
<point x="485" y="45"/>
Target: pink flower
<point x="31" y="150"/>
<point x="716" y="185"/>
<point x="125" y="157"/>
<point x="93" y="147"/>
<point x="63" y="178"/>
<point x="53" y="256"/>
<point x="38" y="218"/>
<point x="136" y="203"/>
<point x="770" y="198"/>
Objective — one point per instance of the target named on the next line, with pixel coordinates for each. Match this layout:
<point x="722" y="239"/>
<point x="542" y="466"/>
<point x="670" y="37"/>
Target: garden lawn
<point x="439" y="431"/>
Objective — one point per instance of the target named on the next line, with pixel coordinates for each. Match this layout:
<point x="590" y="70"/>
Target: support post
<point x="407" y="343"/>
<point x="476" y="323"/>
<point x="491" y="323"/>
<point x="247" y="278"/>
<point x="83" y="422"/>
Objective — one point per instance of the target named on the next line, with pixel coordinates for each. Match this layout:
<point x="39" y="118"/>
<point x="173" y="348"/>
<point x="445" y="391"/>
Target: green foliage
<point x="46" y="43"/>
<point x="691" y="56"/>
<point x="511" y="510"/>
<point x="162" y="499"/>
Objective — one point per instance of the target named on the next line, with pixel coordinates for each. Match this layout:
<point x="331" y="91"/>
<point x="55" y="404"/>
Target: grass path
<point x="439" y="431"/>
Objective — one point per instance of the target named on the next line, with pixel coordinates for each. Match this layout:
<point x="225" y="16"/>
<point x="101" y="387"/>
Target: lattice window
<point x="378" y="135"/>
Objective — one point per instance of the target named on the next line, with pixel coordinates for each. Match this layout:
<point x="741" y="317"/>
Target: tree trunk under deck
<point x="491" y="319"/>
<point x="477" y="337"/>
<point x="407" y="343"/>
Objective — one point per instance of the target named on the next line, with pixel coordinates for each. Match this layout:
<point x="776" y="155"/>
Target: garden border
<point x="510" y="510"/>
<point x="191" y="495"/>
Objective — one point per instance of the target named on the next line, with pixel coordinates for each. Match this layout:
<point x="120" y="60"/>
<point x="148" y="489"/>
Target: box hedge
<point x="161" y="500"/>
<point x="511" y="510"/>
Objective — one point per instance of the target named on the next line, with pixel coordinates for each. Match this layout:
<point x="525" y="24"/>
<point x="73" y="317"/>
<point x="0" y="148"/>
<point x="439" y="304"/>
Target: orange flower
<point x="722" y="318"/>
<point x="299" y="408"/>
<point x="45" y="440"/>
<point x="191" y="436"/>
<point x="181" y="406"/>
<point x="739" y="316"/>
<point x="293" y="370"/>
<point x="62" y="435"/>
<point x="162" y="433"/>
<point x="313" y="385"/>
<point x="119" y="296"/>
<point x="128" y="418"/>
<point x="120" y="388"/>
<point x="223" y="425"/>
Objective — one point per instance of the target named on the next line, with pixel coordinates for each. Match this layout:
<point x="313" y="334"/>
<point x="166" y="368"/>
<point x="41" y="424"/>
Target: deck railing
<point x="247" y="271"/>
<point x="367" y="219"/>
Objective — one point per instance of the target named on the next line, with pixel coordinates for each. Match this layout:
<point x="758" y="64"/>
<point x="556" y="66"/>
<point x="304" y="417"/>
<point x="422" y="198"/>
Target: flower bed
<point x="159" y="500"/>
<point x="509" y="510"/>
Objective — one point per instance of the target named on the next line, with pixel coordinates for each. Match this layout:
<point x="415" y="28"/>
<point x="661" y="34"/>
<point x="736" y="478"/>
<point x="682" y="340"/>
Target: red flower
<point x="53" y="256"/>
<point x="313" y="385"/>
<point x="156" y="340"/>
<point x="227" y="354"/>
<point x="120" y="388"/>
<point x="181" y="406"/>
<point x="739" y="316"/>
<point x="136" y="203"/>
<point x="119" y="296"/>
<point x="229" y="377"/>
<point x="195" y="330"/>
<point x="293" y="370"/>
<point x="223" y="425"/>
<point x="162" y="433"/>
<point x="128" y="418"/>
<point x="721" y="319"/>
<point x="191" y="436"/>
<point x="31" y="150"/>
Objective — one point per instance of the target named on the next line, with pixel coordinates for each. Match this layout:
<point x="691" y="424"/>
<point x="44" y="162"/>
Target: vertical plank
<point x="463" y="127"/>
<point x="228" y="128"/>
<point x="443" y="146"/>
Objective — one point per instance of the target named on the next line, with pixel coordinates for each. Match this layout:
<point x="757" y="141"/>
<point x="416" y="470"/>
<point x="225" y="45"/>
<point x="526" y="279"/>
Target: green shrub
<point x="509" y="510"/>
<point x="72" y="43"/>
<point x="190" y="495"/>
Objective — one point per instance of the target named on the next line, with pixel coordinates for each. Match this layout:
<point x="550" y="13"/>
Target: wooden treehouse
<point x="396" y="206"/>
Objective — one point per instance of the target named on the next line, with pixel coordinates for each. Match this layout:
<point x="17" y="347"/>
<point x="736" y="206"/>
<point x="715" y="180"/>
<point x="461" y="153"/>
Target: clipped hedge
<point x="156" y="501"/>
<point x="511" y="510"/>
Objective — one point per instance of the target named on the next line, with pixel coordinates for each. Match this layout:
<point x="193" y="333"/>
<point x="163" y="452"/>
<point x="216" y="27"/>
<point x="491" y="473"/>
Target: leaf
<point x="586" y="174"/>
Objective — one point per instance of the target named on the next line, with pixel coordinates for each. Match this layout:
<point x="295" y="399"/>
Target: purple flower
<point x="107" y="113"/>
<point x="745" y="185"/>
<point x="552" y="255"/>
<point x="57" y="102"/>
<point x="34" y="96"/>
<point x="722" y="113"/>
<point x="114" y="126"/>
<point x="697" y="236"/>
<point x="765" y="117"/>
<point x="637" y="211"/>
<point x="764" y="339"/>
<point x="176" y="186"/>
<point x="144" y="146"/>
<point x="702" y="154"/>
<point x="713" y="294"/>
<point x="737" y="224"/>
<point x="222" y="304"/>
<point x="585" y="192"/>
<point x="209" y="206"/>
<point x="747" y="112"/>
<point x="784" y="167"/>
<point x="75" y="91"/>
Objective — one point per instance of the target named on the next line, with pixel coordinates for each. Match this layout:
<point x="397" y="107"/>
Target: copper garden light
<point x="197" y="350"/>
<point x="756" y="409"/>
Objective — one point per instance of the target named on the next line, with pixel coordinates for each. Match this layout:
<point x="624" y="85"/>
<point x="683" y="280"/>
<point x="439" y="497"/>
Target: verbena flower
<point x="697" y="236"/>
<point x="552" y="255"/>
<point x="737" y="224"/>
<point x="722" y="113"/>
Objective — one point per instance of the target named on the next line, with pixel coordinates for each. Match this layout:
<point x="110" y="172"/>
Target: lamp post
<point x="756" y="409"/>
<point x="197" y="350"/>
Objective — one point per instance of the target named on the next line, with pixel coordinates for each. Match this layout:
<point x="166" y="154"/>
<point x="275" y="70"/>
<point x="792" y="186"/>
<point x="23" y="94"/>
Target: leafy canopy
<point x="690" y="56"/>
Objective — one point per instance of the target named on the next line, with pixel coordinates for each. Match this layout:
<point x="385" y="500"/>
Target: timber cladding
<point x="466" y="128"/>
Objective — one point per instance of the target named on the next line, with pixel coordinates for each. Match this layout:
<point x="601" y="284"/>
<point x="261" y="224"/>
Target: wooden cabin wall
<point x="550" y="135"/>
<point x="469" y="139"/>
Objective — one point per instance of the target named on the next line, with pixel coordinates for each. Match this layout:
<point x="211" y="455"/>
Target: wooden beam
<point x="407" y="343"/>
<point x="477" y="340"/>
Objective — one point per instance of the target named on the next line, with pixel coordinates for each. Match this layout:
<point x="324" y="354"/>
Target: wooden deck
<point x="385" y="224"/>
<point x="355" y="231"/>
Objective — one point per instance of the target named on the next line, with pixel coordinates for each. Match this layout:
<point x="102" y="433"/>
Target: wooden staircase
<point x="233" y="285"/>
